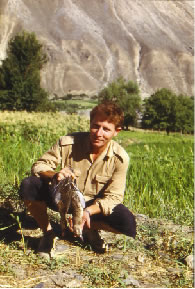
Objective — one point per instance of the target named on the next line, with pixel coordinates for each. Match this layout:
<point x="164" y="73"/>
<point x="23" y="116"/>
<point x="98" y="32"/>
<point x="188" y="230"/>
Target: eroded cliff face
<point x="92" y="42"/>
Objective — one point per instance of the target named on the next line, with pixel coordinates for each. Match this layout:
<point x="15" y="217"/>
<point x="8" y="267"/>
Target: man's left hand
<point x="85" y="220"/>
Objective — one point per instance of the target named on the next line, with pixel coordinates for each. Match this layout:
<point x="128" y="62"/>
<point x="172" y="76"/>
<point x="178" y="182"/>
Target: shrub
<point x="20" y="75"/>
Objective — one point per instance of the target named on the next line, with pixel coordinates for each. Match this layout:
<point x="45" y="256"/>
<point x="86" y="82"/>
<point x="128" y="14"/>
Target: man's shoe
<point x="46" y="245"/>
<point x="94" y="239"/>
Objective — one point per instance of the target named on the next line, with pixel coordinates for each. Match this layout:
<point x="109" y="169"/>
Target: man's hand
<point x="89" y="211"/>
<point x="86" y="219"/>
<point x="64" y="173"/>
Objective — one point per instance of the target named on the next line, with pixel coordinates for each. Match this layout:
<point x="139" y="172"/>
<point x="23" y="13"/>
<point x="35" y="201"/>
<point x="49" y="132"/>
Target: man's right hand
<point x="64" y="173"/>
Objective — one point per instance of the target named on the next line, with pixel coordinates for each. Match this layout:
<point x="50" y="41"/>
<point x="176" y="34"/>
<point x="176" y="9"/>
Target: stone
<point x="39" y="285"/>
<point x="140" y="258"/>
<point x="117" y="257"/>
<point x="175" y="270"/>
<point x="152" y="285"/>
<point x="73" y="284"/>
<point x="189" y="260"/>
<point x="131" y="281"/>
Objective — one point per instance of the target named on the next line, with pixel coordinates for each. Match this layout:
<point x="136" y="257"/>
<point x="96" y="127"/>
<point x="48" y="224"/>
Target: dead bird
<point x="68" y="198"/>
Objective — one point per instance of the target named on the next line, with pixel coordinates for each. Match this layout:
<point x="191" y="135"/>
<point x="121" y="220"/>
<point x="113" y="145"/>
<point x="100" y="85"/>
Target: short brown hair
<point x="111" y="110"/>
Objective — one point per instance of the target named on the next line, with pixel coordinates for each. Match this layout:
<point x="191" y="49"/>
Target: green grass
<point x="72" y="105"/>
<point x="160" y="180"/>
<point x="83" y="103"/>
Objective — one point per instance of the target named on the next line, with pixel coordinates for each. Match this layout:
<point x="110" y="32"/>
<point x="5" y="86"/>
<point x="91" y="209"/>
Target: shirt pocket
<point x="102" y="182"/>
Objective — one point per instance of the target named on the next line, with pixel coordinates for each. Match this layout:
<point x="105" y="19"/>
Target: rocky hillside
<point x="91" y="43"/>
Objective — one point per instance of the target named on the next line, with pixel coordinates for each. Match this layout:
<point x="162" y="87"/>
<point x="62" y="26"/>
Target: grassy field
<point x="72" y="105"/>
<point x="159" y="180"/>
<point x="90" y="103"/>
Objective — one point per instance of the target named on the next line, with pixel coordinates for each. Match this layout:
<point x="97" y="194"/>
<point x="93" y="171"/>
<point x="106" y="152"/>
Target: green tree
<point x="126" y="94"/>
<point x="185" y="114"/>
<point x="20" y="87"/>
<point x="165" y="110"/>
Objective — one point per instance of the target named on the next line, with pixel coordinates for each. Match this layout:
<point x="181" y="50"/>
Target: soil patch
<point x="155" y="258"/>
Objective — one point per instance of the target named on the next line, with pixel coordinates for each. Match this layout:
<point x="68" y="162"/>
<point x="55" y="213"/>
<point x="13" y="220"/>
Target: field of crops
<point x="73" y="105"/>
<point x="159" y="180"/>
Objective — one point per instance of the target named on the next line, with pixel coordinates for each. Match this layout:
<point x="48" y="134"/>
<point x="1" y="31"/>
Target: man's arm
<point x="114" y="192"/>
<point x="46" y="165"/>
<point x="47" y="176"/>
<point x="48" y="162"/>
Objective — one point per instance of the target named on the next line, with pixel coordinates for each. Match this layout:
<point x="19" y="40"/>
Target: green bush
<point x="164" y="110"/>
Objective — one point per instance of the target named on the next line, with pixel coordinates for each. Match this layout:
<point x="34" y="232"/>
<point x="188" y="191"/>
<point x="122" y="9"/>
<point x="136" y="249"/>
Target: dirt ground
<point x="155" y="258"/>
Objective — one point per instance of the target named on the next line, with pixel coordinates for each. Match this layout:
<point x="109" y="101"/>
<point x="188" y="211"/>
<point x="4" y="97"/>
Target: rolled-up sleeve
<point x="49" y="160"/>
<point x="114" y="192"/>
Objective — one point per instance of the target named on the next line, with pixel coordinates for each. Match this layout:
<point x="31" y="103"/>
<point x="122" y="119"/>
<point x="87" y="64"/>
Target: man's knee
<point x="120" y="221"/>
<point x="123" y="220"/>
<point x="29" y="188"/>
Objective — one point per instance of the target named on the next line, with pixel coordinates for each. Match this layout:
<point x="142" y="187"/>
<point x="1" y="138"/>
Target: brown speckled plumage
<point x="69" y="200"/>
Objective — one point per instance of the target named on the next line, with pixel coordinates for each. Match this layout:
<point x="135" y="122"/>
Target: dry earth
<point x="156" y="258"/>
<point x="91" y="43"/>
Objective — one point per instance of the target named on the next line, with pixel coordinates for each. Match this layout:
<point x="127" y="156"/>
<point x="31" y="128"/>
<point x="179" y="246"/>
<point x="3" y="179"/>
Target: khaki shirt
<point x="103" y="179"/>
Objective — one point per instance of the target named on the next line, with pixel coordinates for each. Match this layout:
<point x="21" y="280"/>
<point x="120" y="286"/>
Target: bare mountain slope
<point x="91" y="43"/>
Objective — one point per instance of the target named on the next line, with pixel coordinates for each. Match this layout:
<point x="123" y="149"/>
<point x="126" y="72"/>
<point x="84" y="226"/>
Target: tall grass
<point x="159" y="179"/>
<point x="25" y="136"/>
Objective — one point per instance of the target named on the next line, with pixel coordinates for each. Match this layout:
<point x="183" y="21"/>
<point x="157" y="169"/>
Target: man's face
<point x="101" y="132"/>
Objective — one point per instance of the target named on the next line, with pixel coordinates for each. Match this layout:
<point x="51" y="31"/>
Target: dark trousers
<point x="121" y="219"/>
